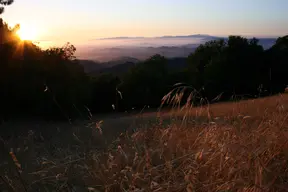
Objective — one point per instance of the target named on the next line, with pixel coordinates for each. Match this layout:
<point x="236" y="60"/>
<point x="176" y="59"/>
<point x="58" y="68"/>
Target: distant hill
<point x="119" y="68"/>
<point x="189" y="36"/>
<point x="139" y="53"/>
<point x="115" y="49"/>
<point x="168" y="36"/>
<point x="118" y="65"/>
<point x="267" y="42"/>
<point x="120" y="59"/>
<point x="116" y="69"/>
<point x="90" y="65"/>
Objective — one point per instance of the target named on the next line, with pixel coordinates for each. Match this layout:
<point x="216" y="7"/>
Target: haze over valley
<point x="141" y="48"/>
<point x="103" y="55"/>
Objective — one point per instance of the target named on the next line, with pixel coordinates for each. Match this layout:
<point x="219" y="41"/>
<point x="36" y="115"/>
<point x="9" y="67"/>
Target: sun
<point x="27" y="33"/>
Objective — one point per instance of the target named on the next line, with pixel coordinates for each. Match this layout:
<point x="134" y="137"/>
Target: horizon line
<point x="183" y="36"/>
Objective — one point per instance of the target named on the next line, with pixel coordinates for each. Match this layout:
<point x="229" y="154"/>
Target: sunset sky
<point x="58" y="21"/>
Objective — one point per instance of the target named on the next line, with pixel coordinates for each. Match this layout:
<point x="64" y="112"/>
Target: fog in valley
<point x="141" y="48"/>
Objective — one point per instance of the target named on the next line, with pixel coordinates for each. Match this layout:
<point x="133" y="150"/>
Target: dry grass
<point x="241" y="146"/>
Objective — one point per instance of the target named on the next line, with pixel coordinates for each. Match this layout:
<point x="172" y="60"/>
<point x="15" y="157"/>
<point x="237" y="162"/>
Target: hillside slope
<point x="236" y="146"/>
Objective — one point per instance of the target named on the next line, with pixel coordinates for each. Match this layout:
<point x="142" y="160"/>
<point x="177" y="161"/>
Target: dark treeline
<point x="51" y="83"/>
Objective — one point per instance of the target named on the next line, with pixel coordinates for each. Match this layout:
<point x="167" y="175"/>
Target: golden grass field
<point x="233" y="146"/>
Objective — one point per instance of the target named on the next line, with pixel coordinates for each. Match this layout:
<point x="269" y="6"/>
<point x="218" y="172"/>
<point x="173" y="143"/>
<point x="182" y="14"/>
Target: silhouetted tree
<point x="37" y="82"/>
<point x="145" y="84"/>
<point x="277" y="65"/>
<point x="104" y="93"/>
<point x="4" y="3"/>
<point x="52" y="83"/>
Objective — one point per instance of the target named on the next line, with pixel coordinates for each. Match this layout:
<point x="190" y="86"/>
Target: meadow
<point x="231" y="146"/>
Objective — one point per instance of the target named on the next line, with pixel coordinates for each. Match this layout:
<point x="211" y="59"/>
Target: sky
<point x="58" y="21"/>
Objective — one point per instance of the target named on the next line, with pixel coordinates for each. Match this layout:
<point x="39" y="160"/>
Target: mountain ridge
<point x="174" y="36"/>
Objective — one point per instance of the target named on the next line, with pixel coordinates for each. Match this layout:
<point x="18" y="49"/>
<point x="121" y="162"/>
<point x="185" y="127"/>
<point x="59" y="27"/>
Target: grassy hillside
<point x="237" y="146"/>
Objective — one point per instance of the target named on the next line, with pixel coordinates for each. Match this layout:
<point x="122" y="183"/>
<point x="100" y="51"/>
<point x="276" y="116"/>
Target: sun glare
<point x="27" y="33"/>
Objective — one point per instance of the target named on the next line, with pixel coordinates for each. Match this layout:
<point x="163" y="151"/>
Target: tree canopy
<point x="36" y="81"/>
<point x="4" y="3"/>
<point x="52" y="83"/>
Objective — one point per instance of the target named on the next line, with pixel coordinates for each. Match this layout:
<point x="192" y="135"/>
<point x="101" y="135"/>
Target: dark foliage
<point x="52" y="83"/>
<point x="4" y="3"/>
<point x="37" y="82"/>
